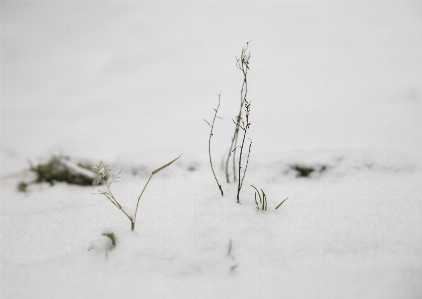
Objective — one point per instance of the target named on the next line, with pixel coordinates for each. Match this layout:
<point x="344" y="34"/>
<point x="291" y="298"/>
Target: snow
<point x="334" y="84"/>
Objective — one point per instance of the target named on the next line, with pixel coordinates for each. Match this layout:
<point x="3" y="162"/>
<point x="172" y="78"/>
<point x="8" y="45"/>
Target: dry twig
<point x="209" y="142"/>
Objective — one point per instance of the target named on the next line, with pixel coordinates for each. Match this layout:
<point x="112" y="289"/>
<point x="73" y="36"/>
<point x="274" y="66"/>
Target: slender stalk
<point x="243" y="64"/>
<point x="209" y="143"/>
<point x="246" y="167"/>
<point x="139" y="198"/>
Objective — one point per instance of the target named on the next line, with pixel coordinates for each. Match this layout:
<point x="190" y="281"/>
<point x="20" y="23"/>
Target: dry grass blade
<point x="139" y="198"/>
<point x="168" y="164"/>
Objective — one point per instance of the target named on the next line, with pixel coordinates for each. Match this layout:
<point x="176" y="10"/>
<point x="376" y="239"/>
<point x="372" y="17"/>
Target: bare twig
<point x="240" y="181"/>
<point x="242" y="123"/>
<point x="242" y="63"/>
<point x="209" y="144"/>
<point x="246" y="167"/>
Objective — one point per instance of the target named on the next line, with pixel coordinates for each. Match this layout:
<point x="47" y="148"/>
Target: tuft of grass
<point x="262" y="204"/>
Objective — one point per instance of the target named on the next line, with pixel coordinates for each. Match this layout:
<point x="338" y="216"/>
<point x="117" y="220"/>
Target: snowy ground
<point x="332" y="83"/>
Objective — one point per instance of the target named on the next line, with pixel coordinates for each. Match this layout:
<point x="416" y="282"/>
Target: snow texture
<point x="335" y="87"/>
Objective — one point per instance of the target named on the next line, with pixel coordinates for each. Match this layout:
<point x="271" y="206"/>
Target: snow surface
<point x="129" y="83"/>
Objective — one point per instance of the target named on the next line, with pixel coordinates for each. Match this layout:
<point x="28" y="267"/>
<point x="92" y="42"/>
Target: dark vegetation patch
<point x="60" y="169"/>
<point x="56" y="171"/>
<point x="305" y="171"/>
<point x="112" y="238"/>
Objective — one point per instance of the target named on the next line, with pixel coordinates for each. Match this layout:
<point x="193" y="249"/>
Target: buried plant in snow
<point x="304" y="171"/>
<point x="59" y="169"/>
<point x="262" y="204"/>
<point x="105" y="244"/>
<point x="101" y="172"/>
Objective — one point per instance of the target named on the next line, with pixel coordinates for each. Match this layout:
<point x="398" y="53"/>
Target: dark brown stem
<point x="243" y="64"/>
<point x="246" y="167"/>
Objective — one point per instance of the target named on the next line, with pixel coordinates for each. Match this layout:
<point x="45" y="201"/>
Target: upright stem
<point x="242" y="63"/>
<point x="209" y="145"/>
<point x="139" y="199"/>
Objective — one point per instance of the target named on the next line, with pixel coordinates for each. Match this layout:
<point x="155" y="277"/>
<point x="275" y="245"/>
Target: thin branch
<point x="209" y="144"/>
<point x="242" y="63"/>
<point x="238" y="125"/>
<point x="246" y="167"/>
<point x="139" y="198"/>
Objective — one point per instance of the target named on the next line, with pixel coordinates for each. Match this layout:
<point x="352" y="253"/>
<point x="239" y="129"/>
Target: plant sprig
<point x="101" y="172"/>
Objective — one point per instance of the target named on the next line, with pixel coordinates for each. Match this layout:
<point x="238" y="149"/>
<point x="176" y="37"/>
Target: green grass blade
<point x="280" y="203"/>
<point x="265" y="199"/>
<point x="260" y="199"/>
<point x="263" y="203"/>
<point x="256" y="201"/>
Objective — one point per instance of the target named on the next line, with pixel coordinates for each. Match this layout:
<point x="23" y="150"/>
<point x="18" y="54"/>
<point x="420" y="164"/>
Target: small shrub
<point x="262" y="204"/>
